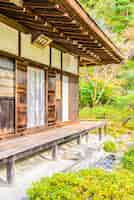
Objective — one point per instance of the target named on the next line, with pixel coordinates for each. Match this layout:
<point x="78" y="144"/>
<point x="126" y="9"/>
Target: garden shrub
<point x="129" y="64"/>
<point x="95" y="92"/>
<point x="128" y="160"/>
<point x="123" y="101"/>
<point x="109" y="112"/>
<point x="93" y="184"/>
<point x="130" y="124"/>
<point x="109" y="146"/>
<point x="128" y="76"/>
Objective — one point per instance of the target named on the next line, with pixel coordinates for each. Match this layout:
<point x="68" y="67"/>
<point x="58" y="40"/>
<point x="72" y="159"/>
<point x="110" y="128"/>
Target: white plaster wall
<point x="33" y="52"/>
<point x="56" y="58"/>
<point x="8" y="39"/>
<point x="70" y="63"/>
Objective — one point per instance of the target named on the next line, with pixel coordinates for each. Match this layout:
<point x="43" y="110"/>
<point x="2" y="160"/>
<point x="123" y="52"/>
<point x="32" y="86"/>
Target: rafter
<point x="13" y="24"/>
<point x="61" y="21"/>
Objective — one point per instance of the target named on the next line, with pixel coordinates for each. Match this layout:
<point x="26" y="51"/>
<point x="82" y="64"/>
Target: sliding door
<point x="65" y="98"/>
<point x="36" y="97"/>
<point x="7" y="96"/>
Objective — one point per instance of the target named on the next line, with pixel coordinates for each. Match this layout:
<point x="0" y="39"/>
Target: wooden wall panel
<point x="21" y="96"/>
<point x="51" y="98"/>
<point x="8" y="39"/>
<point x="73" y="98"/>
<point x="58" y="98"/>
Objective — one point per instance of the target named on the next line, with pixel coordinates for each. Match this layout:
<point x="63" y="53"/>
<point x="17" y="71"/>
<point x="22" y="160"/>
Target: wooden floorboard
<point x="15" y="146"/>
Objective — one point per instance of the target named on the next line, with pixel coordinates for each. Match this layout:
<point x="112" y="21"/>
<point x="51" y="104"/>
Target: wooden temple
<point x="42" y="45"/>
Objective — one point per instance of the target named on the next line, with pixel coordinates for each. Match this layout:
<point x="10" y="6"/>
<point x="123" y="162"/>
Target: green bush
<point x="128" y="160"/>
<point x="109" y="112"/>
<point x="128" y="76"/>
<point x="85" y="185"/>
<point x="95" y="92"/>
<point x="109" y="146"/>
<point x="129" y="65"/>
<point x="123" y="101"/>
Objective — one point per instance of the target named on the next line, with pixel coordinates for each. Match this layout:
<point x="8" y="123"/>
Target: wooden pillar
<point x="55" y="152"/>
<point x="86" y="137"/>
<point x="105" y="129"/>
<point x="100" y="134"/>
<point x="79" y="140"/>
<point x="10" y="170"/>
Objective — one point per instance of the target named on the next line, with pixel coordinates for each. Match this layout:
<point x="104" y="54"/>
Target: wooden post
<point x="79" y="140"/>
<point x="54" y="151"/>
<point x="105" y="129"/>
<point x="86" y="138"/>
<point x="100" y="134"/>
<point x="10" y="170"/>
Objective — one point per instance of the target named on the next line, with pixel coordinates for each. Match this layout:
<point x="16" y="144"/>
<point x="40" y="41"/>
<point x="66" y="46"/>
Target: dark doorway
<point x="7" y="95"/>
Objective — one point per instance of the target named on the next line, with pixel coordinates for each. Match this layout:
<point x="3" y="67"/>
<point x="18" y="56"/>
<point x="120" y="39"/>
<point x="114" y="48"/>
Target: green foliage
<point x="110" y="146"/>
<point x="86" y="184"/>
<point x="128" y="160"/>
<point x="113" y="113"/>
<point x="95" y="92"/>
<point x="130" y="124"/>
<point x="129" y="64"/>
<point x="129" y="76"/>
<point x="109" y="112"/>
<point x="123" y="101"/>
<point x="86" y="92"/>
<point x="117" y="14"/>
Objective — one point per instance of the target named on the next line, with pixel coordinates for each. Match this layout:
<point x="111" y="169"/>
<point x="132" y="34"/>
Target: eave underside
<point x="60" y="21"/>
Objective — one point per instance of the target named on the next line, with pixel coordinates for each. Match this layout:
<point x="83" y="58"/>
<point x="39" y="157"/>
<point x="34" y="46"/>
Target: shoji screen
<point x="36" y="97"/>
<point x="65" y="98"/>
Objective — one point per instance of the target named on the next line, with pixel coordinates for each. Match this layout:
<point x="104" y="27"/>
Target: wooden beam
<point x="63" y="19"/>
<point x="12" y="23"/>
<point x="17" y="2"/>
<point x="9" y="8"/>
<point x="60" y="22"/>
<point x="89" y="24"/>
<point x="43" y="5"/>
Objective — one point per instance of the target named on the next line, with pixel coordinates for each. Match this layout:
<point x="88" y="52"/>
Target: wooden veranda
<point x="20" y="147"/>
